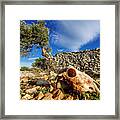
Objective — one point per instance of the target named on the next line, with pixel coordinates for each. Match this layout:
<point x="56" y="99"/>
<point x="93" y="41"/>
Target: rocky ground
<point x="41" y="85"/>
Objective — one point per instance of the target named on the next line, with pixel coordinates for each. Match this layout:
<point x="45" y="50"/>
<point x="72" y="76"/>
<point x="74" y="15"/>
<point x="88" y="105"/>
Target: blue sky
<point x="67" y="36"/>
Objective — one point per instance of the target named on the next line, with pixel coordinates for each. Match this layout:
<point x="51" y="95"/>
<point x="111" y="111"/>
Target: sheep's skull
<point x="80" y="81"/>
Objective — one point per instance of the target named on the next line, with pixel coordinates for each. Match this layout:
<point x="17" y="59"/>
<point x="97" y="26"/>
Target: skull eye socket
<point x="71" y="72"/>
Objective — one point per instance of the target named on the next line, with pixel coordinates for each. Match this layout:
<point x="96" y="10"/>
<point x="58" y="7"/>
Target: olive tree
<point x="34" y="34"/>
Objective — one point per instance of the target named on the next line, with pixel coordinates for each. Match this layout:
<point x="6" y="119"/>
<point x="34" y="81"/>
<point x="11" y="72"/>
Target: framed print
<point x="60" y="59"/>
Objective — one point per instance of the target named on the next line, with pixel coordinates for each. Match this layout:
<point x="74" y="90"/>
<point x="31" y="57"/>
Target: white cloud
<point x="75" y="34"/>
<point x="59" y="50"/>
<point x="33" y="58"/>
<point x="26" y="63"/>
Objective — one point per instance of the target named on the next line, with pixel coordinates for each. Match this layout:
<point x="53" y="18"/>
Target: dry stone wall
<point x="87" y="61"/>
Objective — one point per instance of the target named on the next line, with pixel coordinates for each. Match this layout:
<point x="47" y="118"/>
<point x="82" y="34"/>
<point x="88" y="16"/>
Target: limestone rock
<point x="27" y="97"/>
<point x="48" y="96"/>
<point x="42" y="83"/>
<point x="31" y="91"/>
<point x="40" y="96"/>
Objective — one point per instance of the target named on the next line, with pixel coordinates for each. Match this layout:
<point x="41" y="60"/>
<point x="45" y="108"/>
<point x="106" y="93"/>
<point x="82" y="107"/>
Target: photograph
<point x="59" y="59"/>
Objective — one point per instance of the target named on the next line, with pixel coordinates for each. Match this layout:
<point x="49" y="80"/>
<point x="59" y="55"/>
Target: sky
<point x="67" y="36"/>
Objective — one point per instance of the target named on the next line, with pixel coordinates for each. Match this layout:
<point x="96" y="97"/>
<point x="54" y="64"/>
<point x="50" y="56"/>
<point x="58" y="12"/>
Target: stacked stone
<point x="87" y="61"/>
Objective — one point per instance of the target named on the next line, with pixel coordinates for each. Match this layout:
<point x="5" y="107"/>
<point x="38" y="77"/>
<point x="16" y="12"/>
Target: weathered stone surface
<point x="69" y="98"/>
<point x="48" y="96"/>
<point x="26" y="74"/>
<point x="51" y="88"/>
<point x="31" y="91"/>
<point x="58" y="95"/>
<point x="24" y="79"/>
<point x="27" y="97"/>
<point x="40" y="96"/>
<point x="42" y="83"/>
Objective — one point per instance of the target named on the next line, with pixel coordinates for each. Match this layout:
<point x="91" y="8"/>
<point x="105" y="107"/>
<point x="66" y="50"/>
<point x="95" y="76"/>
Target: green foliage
<point x="38" y="62"/>
<point x="33" y="34"/>
<point x="24" y="69"/>
<point x="48" y="64"/>
<point x="90" y="96"/>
